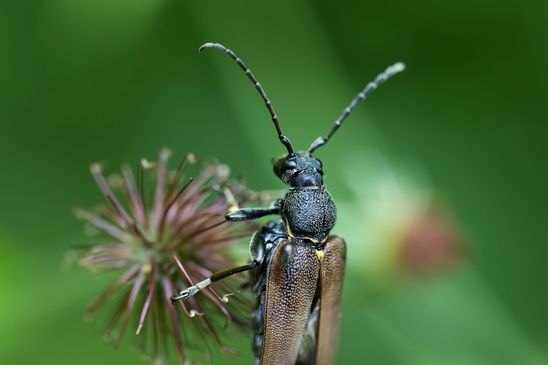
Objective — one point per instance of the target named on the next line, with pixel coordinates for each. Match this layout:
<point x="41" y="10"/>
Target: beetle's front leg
<point x="192" y="290"/>
<point x="247" y="214"/>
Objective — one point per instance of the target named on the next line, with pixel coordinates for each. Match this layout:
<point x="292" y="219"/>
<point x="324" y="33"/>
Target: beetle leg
<point x="192" y="290"/>
<point x="247" y="214"/>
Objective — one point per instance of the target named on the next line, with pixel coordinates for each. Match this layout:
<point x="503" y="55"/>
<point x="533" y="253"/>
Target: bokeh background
<point x="440" y="177"/>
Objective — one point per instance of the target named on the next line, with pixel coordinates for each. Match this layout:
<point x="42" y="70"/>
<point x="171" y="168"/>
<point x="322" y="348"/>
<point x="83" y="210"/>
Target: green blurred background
<point x="460" y="138"/>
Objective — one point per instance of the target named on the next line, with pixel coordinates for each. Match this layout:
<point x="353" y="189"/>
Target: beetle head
<point x="299" y="169"/>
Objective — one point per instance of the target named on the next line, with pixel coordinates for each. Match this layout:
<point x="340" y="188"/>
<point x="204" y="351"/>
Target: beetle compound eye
<point x="285" y="167"/>
<point x="318" y="165"/>
<point x="290" y="164"/>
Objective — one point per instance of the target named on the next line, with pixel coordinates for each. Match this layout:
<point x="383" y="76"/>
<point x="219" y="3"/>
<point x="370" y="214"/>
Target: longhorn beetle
<point x="297" y="268"/>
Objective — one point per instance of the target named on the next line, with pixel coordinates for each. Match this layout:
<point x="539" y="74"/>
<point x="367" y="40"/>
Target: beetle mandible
<point x="297" y="267"/>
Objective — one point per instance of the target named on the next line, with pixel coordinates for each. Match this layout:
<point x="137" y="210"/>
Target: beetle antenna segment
<point x="369" y="88"/>
<point x="283" y="138"/>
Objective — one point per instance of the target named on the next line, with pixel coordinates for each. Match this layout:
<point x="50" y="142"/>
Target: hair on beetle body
<point x="297" y="266"/>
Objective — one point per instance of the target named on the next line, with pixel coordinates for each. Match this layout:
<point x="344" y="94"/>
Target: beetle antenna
<point x="285" y="141"/>
<point x="369" y="88"/>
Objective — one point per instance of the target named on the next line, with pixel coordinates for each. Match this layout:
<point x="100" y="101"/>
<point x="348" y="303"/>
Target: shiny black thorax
<point x="307" y="208"/>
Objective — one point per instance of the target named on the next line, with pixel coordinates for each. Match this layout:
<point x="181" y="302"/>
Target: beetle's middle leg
<point x="191" y="291"/>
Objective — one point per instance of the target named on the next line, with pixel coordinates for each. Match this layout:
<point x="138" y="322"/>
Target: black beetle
<point x="297" y="268"/>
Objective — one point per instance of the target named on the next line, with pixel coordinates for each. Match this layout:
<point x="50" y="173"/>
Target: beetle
<point x="297" y="267"/>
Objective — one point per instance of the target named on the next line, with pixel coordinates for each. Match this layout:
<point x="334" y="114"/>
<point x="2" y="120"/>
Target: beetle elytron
<point x="297" y="268"/>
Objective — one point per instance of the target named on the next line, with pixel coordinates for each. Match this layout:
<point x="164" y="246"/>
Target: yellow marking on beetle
<point x="320" y="254"/>
<point x="289" y="233"/>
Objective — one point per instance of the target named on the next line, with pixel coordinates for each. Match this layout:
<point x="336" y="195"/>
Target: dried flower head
<point x="162" y="245"/>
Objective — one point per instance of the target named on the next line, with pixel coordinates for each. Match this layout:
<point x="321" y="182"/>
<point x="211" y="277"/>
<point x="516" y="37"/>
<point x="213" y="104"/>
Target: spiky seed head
<point x="162" y="244"/>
